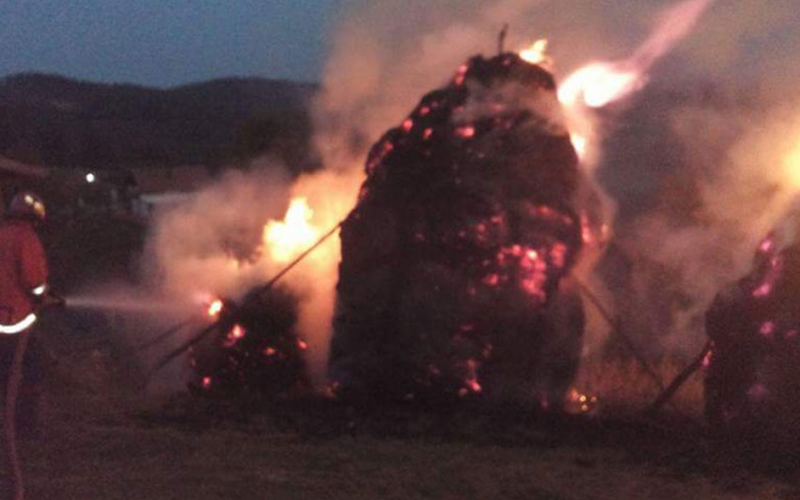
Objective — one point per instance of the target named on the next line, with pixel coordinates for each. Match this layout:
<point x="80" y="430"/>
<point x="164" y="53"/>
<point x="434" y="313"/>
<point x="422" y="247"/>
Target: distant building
<point x="136" y="191"/>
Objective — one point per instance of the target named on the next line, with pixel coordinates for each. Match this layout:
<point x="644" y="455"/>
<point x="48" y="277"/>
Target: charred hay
<point x="752" y="387"/>
<point x="454" y="259"/>
<point x="253" y="349"/>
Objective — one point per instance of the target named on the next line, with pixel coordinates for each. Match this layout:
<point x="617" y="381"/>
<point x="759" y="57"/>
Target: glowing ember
<point x="767" y="328"/>
<point x="237" y="332"/>
<point x="763" y="290"/>
<point x="206" y="382"/>
<point x="466" y="132"/>
<point x="492" y="279"/>
<point x="578" y="403"/>
<point x="461" y="74"/>
<point x="234" y="335"/>
<point x="707" y="357"/>
<point x="537" y="54"/>
<point x="767" y="245"/>
<point x="287" y="239"/>
<point x="215" y="308"/>
<point x="471" y="381"/>
<point x="558" y="254"/>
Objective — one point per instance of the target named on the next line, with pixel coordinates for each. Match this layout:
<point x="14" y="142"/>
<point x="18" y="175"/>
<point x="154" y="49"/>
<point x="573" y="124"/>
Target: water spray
<point x="124" y="304"/>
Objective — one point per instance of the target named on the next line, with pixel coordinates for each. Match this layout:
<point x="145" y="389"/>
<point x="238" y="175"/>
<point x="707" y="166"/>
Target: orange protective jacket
<point x="23" y="270"/>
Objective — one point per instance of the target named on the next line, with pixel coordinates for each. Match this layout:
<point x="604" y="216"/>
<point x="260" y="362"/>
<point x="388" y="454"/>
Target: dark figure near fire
<point x="454" y="262"/>
<point x="752" y="383"/>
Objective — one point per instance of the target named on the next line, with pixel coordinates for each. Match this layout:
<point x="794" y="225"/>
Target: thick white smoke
<point x="738" y="135"/>
<point x="386" y="54"/>
<point x="204" y="244"/>
<point x="214" y="245"/>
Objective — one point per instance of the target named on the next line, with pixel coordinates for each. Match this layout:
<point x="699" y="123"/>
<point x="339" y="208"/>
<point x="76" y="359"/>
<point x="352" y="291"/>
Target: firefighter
<point x="23" y="268"/>
<point x="23" y="289"/>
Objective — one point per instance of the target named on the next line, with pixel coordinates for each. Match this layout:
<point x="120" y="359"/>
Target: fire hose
<point x="9" y="417"/>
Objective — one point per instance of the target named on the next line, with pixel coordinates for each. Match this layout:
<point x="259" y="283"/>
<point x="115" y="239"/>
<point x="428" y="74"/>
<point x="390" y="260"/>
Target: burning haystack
<point x="252" y="348"/>
<point x="752" y="382"/>
<point x="454" y="259"/>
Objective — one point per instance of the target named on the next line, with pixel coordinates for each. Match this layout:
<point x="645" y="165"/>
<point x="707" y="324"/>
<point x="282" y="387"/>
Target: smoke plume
<point x="384" y="55"/>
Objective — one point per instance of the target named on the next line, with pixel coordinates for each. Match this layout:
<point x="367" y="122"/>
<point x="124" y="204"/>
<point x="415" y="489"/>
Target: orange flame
<point x="287" y="239"/>
<point x="537" y="54"/>
<point x="791" y="168"/>
<point x="601" y="83"/>
<point x="579" y="143"/>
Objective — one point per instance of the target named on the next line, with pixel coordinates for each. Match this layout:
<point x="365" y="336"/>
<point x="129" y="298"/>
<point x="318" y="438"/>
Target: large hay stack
<point x="453" y="258"/>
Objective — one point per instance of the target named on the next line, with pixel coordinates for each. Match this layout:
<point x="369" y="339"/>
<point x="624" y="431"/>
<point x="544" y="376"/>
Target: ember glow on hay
<point x="459" y="243"/>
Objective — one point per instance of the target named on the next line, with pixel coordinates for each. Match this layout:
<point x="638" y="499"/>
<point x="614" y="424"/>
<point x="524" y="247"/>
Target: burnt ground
<point x="98" y="443"/>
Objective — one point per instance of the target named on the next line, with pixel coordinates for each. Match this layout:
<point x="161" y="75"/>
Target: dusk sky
<point x="172" y="42"/>
<point x="165" y="42"/>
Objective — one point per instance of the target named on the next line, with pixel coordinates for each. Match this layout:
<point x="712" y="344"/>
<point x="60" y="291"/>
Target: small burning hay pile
<point x="252" y="348"/>
<point x="452" y="260"/>
<point x="752" y="383"/>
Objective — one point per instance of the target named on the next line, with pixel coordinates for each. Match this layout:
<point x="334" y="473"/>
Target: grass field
<point x="103" y="447"/>
<point x="103" y="437"/>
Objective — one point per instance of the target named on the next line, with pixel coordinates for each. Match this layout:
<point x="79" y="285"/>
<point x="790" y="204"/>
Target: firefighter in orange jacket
<point x="23" y="268"/>
<point x="23" y="288"/>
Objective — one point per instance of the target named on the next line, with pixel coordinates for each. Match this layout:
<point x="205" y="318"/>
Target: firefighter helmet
<point x="28" y="205"/>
